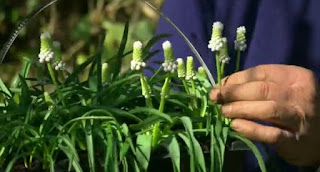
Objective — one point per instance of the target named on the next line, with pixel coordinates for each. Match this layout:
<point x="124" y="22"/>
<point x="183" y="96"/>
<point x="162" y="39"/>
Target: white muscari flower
<point x="190" y="69"/>
<point x="60" y="66"/>
<point x="215" y="44"/>
<point x="240" y="42"/>
<point x="181" y="68"/>
<point x="224" y="56"/>
<point x="202" y="72"/>
<point x="169" y="64"/>
<point x="46" y="53"/>
<point x="137" y="59"/>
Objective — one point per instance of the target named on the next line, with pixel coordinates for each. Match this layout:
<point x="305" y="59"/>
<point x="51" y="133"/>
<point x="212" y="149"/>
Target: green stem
<point x="54" y="80"/>
<point x="218" y="68"/>
<point x="164" y="93"/>
<point x="238" y="61"/>
<point x="184" y="82"/>
<point x="194" y="94"/>
<point x="222" y="70"/>
<point x="146" y="90"/>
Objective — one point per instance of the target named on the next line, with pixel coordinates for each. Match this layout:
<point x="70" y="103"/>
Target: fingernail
<point x="234" y="125"/>
<point x="214" y="94"/>
<point x="226" y="109"/>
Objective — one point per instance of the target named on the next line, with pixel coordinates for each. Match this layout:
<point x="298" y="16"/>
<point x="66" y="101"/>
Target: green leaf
<point x="196" y="149"/>
<point x="120" y="53"/>
<point x="146" y="123"/>
<point x="4" y="89"/>
<point x="90" y="148"/>
<point x="153" y="41"/>
<point x="212" y="145"/>
<point x="25" y="99"/>
<point x="152" y="112"/>
<point x="253" y="147"/>
<point x="123" y="113"/>
<point x="11" y="163"/>
<point x="99" y="66"/>
<point x="111" y="161"/>
<point x="174" y="152"/>
<point x="187" y="141"/>
<point x="79" y="69"/>
<point x="71" y="158"/>
<point x="239" y="146"/>
<point x="143" y="150"/>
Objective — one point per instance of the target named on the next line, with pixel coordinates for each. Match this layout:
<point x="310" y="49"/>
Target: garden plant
<point x="118" y="121"/>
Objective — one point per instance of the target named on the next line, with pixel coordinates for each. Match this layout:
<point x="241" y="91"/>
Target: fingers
<point x="253" y="74"/>
<point x="252" y="91"/>
<point x="268" y="111"/>
<point x="270" y="73"/>
<point x="261" y="133"/>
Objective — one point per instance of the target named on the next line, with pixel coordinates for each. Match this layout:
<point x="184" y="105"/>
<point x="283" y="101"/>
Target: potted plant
<point x="114" y="121"/>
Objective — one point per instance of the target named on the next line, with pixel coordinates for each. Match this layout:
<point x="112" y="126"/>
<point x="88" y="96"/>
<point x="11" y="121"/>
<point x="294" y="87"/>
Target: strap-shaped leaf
<point x="143" y="150"/>
<point x="195" y="147"/>
<point x="152" y="112"/>
<point x="174" y="152"/>
<point x="253" y="147"/>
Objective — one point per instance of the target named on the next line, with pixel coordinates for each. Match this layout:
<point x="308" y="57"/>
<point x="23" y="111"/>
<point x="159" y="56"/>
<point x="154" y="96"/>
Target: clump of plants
<point x="116" y="121"/>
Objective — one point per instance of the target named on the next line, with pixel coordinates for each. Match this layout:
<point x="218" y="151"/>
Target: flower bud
<point x="137" y="59"/>
<point x="215" y="44"/>
<point x="137" y="51"/>
<point x="190" y="69"/>
<point x="46" y="54"/>
<point x="240" y="42"/>
<point x="169" y="64"/>
<point x="48" y="98"/>
<point x="105" y="72"/>
<point x="181" y="68"/>
<point x="202" y="72"/>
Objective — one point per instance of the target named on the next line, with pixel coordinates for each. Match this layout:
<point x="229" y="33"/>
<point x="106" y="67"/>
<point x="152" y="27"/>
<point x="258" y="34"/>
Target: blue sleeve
<point x="188" y="17"/>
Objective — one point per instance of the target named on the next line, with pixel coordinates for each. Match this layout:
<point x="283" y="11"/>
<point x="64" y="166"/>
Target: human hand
<point x="286" y="96"/>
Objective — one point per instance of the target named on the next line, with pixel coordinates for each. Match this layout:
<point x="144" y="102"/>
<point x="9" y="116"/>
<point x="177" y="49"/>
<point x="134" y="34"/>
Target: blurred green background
<point x="76" y="25"/>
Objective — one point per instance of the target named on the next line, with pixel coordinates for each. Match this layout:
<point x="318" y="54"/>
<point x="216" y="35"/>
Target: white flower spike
<point x="240" y="42"/>
<point x="169" y="64"/>
<point x="137" y="59"/>
<point x="215" y="44"/>
<point x="46" y="53"/>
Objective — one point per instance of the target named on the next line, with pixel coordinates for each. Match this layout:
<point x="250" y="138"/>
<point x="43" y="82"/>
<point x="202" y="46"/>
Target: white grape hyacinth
<point x="216" y="43"/>
<point x="60" y="66"/>
<point x="169" y="64"/>
<point x="137" y="62"/>
<point x="46" y="54"/>
<point x="240" y="42"/>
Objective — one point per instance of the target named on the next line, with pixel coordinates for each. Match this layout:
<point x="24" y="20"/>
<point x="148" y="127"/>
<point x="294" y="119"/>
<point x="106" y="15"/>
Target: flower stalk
<point x="138" y="64"/>
<point x="182" y="74"/>
<point x="170" y="67"/>
<point x="240" y="44"/>
<point x="224" y="56"/>
<point x="191" y="76"/>
<point x="46" y="55"/>
<point x="216" y="44"/>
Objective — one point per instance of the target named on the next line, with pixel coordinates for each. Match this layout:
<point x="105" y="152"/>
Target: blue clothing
<point x="278" y="32"/>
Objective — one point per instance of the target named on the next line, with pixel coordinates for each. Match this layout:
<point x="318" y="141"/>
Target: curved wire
<point x="193" y="49"/>
<point x="22" y="24"/>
